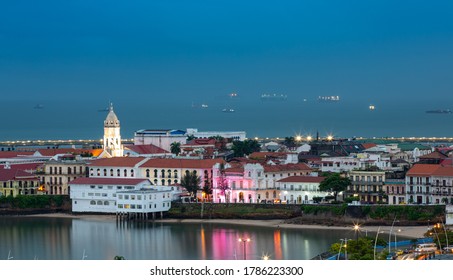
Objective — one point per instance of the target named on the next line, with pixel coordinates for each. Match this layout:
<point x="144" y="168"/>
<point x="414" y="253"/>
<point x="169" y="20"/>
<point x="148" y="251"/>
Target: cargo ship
<point x="274" y="96"/>
<point x="332" y="98"/>
<point x="446" y="111"/>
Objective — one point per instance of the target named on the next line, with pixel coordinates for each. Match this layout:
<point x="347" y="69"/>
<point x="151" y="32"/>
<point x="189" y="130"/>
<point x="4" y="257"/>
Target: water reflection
<point x="65" y="238"/>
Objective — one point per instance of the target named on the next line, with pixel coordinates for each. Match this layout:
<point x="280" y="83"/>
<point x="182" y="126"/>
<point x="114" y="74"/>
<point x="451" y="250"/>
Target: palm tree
<point x="191" y="182"/>
<point x="175" y="148"/>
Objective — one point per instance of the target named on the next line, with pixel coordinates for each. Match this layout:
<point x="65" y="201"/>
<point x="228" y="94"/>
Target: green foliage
<point x="317" y="199"/>
<point x="175" y="148"/>
<point x="351" y="199"/>
<point x="246" y="147"/>
<point x="360" y="249"/>
<point x="191" y="182"/>
<point x="119" y="258"/>
<point x="34" y="201"/>
<point x="334" y="183"/>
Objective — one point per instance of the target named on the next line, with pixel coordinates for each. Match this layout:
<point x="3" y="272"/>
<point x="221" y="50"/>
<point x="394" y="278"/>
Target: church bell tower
<point x="112" y="137"/>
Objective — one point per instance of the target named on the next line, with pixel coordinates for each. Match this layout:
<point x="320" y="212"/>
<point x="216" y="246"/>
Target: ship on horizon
<point x="274" y="96"/>
<point x="329" y="98"/>
<point x="228" y="110"/>
<point x="439" y="111"/>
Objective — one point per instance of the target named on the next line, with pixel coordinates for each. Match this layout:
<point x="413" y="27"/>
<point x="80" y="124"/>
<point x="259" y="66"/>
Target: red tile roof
<point x="146" y="149"/>
<point x="14" y="154"/>
<point x="15" y="174"/>
<point x="23" y="166"/>
<point x="444" y="171"/>
<point x="202" y="142"/>
<point x="301" y="179"/>
<point x="181" y="163"/>
<point x="264" y="155"/>
<point x="434" y="155"/>
<point x="287" y="167"/>
<point x="53" y="152"/>
<point x="234" y="170"/>
<point x="368" y="145"/>
<point x="107" y="181"/>
<point x="117" y="161"/>
<point x="422" y="169"/>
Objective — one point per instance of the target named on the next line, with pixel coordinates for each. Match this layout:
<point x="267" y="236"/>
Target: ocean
<point x="81" y="119"/>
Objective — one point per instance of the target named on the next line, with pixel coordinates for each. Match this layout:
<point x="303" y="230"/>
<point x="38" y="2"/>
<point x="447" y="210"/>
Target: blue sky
<point x="178" y="52"/>
<point x="109" y="49"/>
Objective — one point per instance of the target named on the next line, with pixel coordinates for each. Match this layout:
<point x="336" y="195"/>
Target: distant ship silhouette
<point x="38" y="106"/>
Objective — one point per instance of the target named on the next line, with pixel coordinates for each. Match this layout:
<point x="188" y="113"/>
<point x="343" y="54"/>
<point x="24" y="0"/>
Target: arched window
<point x="169" y="182"/>
<point x="155" y="181"/>
<point x="118" y="173"/>
<point x="155" y="173"/>
<point x="168" y="173"/>
<point x="92" y="202"/>
<point x="106" y="203"/>
<point x="98" y="172"/>
<point x="175" y="173"/>
<point x="147" y="173"/>
<point x="69" y="170"/>
<point x="162" y="173"/>
<point x="132" y="172"/>
<point x="163" y="182"/>
<point x="60" y="170"/>
<point x="105" y="172"/>
<point x="111" y="172"/>
<point x="274" y="194"/>
<point x="99" y="202"/>
<point x="125" y="172"/>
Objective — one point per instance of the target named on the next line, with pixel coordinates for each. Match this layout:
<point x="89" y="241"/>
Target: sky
<point x="171" y="52"/>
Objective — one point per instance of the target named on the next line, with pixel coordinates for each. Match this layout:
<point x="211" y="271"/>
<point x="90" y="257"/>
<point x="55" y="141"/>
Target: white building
<point x="162" y="138"/>
<point x="143" y="201"/>
<point x="235" y="135"/>
<point x="100" y="194"/>
<point x="300" y="189"/>
<point x="112" y="136"/>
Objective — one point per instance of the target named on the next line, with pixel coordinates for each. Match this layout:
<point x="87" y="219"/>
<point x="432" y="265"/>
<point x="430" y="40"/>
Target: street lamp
<point x="345" y="240"/>
<point x="356" y="229"/>
<point x="390" y="233"/>
<point x="375" y="240"/>
<point x="244" y="242"/>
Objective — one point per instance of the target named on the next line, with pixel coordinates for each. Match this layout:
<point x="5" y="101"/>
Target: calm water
<point x="29" y="238"/>
<point x="80" y="119"/>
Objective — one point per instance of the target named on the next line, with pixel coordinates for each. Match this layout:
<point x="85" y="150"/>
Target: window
<point x="98" y="172"/>
<point x="119" y="187"/>
<point x="147" y="173"/>
<point x="106" y="203"/>
<point x="132" y="173"/>
<point x="105" y="172"/>
<point x="133" y="197"/>
<point x="155" y="173"/>
<point x="139" y="197"/>
<point x="99" y="202"/>
<point x="111" y="172"/>
<point x="91" y="187"/>
<point x="125" y="172"/>
<point x="118" y="173"/>
<point x="175" y="173"/>
<point x="120" y="206"/>
<point x="120" y="196"/>
<point x="126" y="196"/>
<point x="69" y="170"/>
<point x="92" y="202"/>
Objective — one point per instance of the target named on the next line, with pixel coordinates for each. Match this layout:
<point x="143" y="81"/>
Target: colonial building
<point x="299" y="189"/>
<point x="395" y="189"/>
<point x="235" y="135"/>
<point x="430" y="184"/>
<point x="15" y="180"/>
<point x="368" y="186"/>
<point x="57" y="173"/>
<point x="143" y="201"/>
<point x="112" y="136"/>
<point x="253" y="181"/>
<point x="120" y="167"/>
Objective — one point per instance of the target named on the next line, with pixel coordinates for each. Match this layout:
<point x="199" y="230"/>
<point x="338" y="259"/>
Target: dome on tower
<point x="111" y="120"/>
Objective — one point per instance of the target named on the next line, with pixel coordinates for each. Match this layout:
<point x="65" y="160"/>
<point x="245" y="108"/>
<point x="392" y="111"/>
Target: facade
<point x="430" y="184"/>
<point x="300" y="189"/>
<point x="121" y="167"/>
<point x="395" y="189"/>
<point x="168" y="172"/>
<point x="162" y="138"/>
<point x="100" y="194"/>
<point x="235" y="135"/>
<point x="143" y="201"/>
<point x="15" y="182"/>
<point x="56" y="174"/>
<point x="368" y="186"/>
<point x="112" y="136"/>
<point x="253" y="182"/>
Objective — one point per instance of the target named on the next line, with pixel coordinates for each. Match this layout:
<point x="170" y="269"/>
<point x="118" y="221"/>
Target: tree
<point x="222" y="181"/>
<point x="362" y="249"/>
<point x="246" y="147"/>
<point x="175" y="148"/>
<point x="191" y="182"/>
<point x="334" y="183"/>
<point x="207" y="189"/>
<point x="190" y="138"/>
<point x="289" y="142"/>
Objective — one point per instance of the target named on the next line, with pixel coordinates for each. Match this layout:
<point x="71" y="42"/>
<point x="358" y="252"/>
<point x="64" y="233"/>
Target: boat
<point x="372" y="107"/>
<point x="439" y="111"/>
<point x="330" y="98"/>
<point x="204" y="106"/>
<point x="233" y="94"/>
<point x="274" y="96"/>
<point x="229" y="110"/>
<point x="38" y="106"/>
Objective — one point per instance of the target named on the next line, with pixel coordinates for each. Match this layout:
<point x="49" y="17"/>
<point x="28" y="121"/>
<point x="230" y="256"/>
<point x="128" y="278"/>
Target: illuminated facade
<point x="112" y="136"/>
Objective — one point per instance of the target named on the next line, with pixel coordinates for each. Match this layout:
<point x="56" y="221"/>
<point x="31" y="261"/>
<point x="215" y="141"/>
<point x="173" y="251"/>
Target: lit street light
<point x="244" y="242"/>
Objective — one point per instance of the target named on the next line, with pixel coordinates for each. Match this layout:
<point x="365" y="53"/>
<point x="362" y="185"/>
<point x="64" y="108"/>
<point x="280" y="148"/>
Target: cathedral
<point x="112" y="137"/>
